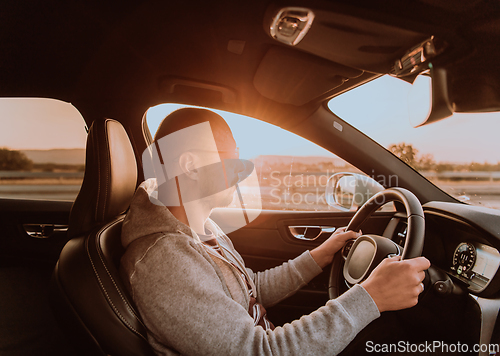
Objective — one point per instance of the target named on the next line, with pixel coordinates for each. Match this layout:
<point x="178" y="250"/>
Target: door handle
<point x="43" y="231"/>
<point x="310" y="233"/>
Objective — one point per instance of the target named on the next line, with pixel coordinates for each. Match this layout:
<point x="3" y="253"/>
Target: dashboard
<point x="475" y="263"/>
<point x="461" y="240"/>
<point x="462" y="243"/>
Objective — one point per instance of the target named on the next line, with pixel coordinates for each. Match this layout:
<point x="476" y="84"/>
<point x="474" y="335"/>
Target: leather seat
<point x="87" y="295"/>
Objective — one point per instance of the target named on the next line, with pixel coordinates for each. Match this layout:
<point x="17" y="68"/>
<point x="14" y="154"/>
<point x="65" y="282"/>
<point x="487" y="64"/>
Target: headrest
<point x="110" y="177"/>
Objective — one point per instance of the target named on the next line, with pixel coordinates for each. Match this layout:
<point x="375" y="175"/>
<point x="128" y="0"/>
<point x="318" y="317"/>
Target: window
<point x="291" y="171"/>
<point x="42" y="149"/>
<point x="460" y="154"/>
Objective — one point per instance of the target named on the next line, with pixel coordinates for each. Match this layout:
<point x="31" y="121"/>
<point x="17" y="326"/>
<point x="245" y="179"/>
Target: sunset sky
<point x="40" y="124"/>
<point x="379" y="109"/>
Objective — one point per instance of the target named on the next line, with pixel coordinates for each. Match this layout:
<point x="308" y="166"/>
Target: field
<point x="485" y="194"/>
<point x="305" y="191"/>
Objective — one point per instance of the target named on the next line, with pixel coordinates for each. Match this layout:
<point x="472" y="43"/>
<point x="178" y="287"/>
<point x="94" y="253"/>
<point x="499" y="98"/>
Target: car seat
<point x="87" y="295"/>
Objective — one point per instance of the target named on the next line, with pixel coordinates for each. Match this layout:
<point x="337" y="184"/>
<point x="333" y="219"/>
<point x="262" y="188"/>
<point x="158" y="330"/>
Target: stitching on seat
<point x="99" y="251"/>
<point x="109" y="299"/>
<point x="109" y="164"/>
<point x="94" y="144"/>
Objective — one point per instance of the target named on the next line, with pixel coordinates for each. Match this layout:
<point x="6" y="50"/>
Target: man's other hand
<point x="396" y="284"/>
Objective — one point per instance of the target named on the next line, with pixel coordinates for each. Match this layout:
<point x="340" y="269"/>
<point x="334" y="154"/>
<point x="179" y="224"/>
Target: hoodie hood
<point x="147" y="215"/>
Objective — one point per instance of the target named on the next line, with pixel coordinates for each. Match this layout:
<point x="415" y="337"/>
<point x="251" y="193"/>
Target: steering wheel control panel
<point x="475" y="264"/>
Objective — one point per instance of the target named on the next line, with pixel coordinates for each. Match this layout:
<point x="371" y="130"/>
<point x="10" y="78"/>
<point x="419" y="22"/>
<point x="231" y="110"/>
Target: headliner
<point x="117" y="59"/>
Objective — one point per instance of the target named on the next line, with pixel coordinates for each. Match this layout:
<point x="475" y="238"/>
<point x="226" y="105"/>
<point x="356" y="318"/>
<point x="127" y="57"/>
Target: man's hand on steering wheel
<point x="396" y="284"/>
<point x="323" y="254"/>
<point x="393" y="282"/>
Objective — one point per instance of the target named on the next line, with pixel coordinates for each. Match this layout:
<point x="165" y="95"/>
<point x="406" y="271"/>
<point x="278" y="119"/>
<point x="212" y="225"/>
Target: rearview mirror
<point x="428" y="99"/>
<point x="349" y="191"/>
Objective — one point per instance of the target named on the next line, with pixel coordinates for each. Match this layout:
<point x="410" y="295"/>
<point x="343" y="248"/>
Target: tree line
<point x="13" y="160"/>
<point x="410" y="155"/>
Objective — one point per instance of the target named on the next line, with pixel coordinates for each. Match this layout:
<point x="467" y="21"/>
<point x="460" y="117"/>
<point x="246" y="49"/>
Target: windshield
<point x="460" y="154"/>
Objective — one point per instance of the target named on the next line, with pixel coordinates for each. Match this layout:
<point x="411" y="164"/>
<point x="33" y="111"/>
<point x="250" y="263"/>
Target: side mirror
<point x="349" y="191"/>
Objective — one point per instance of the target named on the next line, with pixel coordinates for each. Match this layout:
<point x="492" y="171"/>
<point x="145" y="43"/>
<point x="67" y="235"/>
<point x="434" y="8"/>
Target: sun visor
<point x="291" y="77"/>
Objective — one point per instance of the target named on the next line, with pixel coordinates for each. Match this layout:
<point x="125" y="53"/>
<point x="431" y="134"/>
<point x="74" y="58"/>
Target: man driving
<point x="191" y="286"/>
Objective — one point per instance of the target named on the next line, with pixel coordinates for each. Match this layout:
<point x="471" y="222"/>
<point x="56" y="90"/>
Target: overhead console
<point x="377" y="41"/>
<point x="336" y="51"/>
<point x="351" y="41"/>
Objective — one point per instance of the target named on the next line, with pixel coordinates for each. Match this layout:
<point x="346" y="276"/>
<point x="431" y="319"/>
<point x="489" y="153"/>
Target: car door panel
<point x="26" y="265"/>
<point x="45" y="220"/>
<point x="268" y="238"/>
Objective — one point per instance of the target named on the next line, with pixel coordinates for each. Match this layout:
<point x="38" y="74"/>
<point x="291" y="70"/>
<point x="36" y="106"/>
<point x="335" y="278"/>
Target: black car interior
<point x="62" y="294"/>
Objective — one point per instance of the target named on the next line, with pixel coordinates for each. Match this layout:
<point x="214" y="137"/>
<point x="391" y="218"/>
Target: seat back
<point x="88" y="296"/>
<point x="110" y="178"/>
<point x="91" y="300"/>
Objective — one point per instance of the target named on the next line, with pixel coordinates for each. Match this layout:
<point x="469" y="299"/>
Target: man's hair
<point x="186" y="117"/>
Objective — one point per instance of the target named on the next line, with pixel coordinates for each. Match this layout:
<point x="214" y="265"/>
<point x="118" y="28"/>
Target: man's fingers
<point x="345" y="235"/>
<point x="394" y="258"/>
<point x="351" y="234"/>
<point x="419" y="263"/>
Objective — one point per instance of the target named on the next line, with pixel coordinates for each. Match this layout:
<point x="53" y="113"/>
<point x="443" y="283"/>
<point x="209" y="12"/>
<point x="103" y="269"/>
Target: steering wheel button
<point x="347" y="247"/>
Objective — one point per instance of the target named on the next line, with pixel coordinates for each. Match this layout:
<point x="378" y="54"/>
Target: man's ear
<point x="187" y="164"/>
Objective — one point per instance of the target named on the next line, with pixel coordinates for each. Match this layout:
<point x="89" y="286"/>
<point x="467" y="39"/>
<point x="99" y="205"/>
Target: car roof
<point x="117" y="59"/>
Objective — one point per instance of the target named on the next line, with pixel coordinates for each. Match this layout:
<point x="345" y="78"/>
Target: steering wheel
<point x="367" y="251"/>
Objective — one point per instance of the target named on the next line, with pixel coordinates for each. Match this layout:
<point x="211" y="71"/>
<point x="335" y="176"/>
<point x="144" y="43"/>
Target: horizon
<point x="332" y="157"/>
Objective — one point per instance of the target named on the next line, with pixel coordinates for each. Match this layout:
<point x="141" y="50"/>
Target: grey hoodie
<point x="193" y="301"/>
